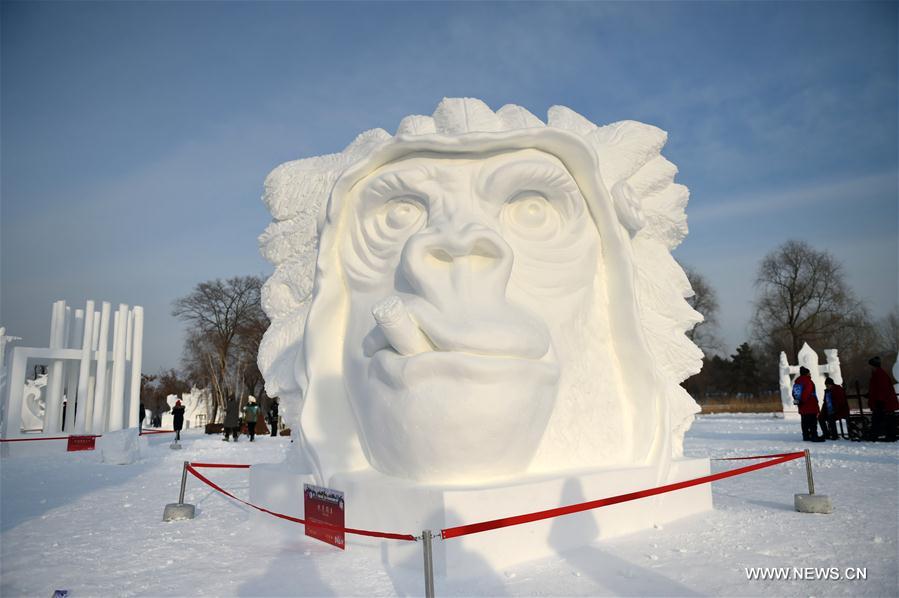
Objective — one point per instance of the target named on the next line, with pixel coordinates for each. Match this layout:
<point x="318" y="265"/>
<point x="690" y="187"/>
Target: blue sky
<point x="135" y="136"/>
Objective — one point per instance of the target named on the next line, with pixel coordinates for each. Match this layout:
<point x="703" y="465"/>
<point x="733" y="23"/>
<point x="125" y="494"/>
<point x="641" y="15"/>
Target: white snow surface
<point x="72" y="522"/>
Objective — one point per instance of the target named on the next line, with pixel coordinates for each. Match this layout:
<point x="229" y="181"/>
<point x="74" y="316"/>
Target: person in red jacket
<point x="804" y="395"/>
<point x="833" y="408"/>
<point x="882" y="402"/>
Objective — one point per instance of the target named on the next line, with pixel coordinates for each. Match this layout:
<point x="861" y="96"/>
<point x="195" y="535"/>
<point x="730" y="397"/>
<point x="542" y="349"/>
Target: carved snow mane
<point x="650" y="221"/>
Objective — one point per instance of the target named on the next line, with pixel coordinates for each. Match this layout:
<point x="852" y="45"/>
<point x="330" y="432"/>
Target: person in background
<point x="250" y="413"/>
<point x="273" y="417"/>
<point x="232" y="419"/>
<point x="835" y="407"/>
<point x="882" y="402"/>
<point x="804" y="396"/>
<point x="141" y="413"/>
<point x="178" y="419"/>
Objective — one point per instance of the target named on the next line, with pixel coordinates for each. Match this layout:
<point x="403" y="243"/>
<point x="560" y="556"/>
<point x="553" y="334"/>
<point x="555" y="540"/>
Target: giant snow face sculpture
<point x="462" y="367"/>
<point x="481" y="297"/>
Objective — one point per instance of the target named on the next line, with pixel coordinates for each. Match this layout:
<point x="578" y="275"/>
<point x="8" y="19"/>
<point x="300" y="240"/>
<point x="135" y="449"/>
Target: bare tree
<point x="888" y="330"/>
<point x="803" y="297"/>
<point x="705" y="301"/>
<point x="220" y="315"/>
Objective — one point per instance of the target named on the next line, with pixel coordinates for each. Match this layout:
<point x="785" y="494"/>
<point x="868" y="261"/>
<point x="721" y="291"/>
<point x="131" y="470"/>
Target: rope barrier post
<point x="429" y="563"/>
<point x="184" y="481"/>
<point x="811" y="502"/>
<point x="177" y="511"/>
<point x="808" y="472"/>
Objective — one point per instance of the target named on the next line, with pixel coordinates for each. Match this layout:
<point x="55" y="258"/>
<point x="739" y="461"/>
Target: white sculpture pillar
<point x="56" y="371"/>
<point x="787" y="372"/>
<point x="3" y="348"/>
<point x="116" y="397"/>
<point x="4" y="340"/>
<point x="4" y="372"/>
<point x="832" y="369"/>
<point x="85" y="407"/>
<point x="137" y="340"/>
<point x="12" y="424"/>
<point x="99" y="413"/>
<point x="809" y="359"/>
<point x="76" y="333"/>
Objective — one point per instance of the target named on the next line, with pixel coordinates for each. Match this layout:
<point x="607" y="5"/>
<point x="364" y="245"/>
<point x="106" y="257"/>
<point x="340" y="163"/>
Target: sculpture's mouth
<point x="399" y="370"/>
<point x="408" y="330"/>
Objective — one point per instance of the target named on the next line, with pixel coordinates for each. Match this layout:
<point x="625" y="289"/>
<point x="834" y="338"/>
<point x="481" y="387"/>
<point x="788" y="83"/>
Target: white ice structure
<point x="34" y="404"/>
<point x="5" y="339"/>
<point x="480" y="317"/>
<point x="92" y="374"/>
<point x="807" y="358"/>
<point x="197" y="407"/>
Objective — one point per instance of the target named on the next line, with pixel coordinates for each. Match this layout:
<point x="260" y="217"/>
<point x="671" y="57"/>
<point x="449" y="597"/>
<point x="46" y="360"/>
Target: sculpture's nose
<point x="471" y="262"/>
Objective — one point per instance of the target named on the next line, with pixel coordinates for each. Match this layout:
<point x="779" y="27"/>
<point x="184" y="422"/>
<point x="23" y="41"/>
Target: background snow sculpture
<point x="480" y="296"/>
<point x="197" y="407"/>
<point x="34" y="404"/>
<point x="807" y="358"/>
<point x="87" y="373"/>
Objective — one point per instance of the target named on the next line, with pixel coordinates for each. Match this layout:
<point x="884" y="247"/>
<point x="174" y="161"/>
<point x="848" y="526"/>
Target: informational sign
<point x="323" y="505"/>
<point x="81" y="443"/>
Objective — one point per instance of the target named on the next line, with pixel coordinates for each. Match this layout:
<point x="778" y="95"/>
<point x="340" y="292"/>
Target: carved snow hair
<point x="648" y="203"/>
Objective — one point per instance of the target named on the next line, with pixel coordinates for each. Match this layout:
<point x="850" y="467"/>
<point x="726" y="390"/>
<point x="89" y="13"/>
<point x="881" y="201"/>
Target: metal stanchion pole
<point x="808" y="472"/>
<point x="811" y="502"/>
<point x="179" y="510"/>
<point x="429" y="563"/>
<point x="184" y="480"/>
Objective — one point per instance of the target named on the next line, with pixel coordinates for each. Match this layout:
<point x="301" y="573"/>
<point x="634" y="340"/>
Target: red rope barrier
<point x="754" y="457"/>
<point x="348" y="530"/>
<point x="151" y="432"/>
<point x="49" y="438"/>
<point x="474" y="528"/>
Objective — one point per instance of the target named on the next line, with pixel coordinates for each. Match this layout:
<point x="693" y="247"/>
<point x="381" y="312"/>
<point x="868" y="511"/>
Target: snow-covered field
<point x="94" y="529"/>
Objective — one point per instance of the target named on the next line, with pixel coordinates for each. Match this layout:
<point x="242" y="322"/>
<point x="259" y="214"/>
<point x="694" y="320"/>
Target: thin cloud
<point x="765" y="201"/>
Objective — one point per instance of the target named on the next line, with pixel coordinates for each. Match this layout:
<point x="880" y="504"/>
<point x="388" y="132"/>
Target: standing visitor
<point x="251" y="412"/>
<point x="804" y="396"/>
<point x="178" y="419"/>
<point x="141" y="413"/>
<point x="882" y="402"/>
<point x="232" y="419"/>
<point x="273" y="417"/>
<point x="835" y="407"/>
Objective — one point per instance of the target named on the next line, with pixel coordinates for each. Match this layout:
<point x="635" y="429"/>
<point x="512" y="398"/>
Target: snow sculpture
<point x="34" y="404"/>
<point x="197" y="407"/>
<point x="480" y="298"/>
<point x="807" y="358"/>
<point x="87" y="371"/>
<point x="5" y="339"/>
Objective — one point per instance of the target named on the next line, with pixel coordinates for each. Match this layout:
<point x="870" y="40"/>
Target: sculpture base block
<point x="812" y="503"/>
<point x="380" y="503"/>
<point x="176" y="511"/>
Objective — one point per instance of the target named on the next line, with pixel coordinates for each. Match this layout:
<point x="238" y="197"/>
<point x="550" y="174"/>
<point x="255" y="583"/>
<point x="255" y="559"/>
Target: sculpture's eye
<point x="401" y="213"/>
<point x="530" y="215"/>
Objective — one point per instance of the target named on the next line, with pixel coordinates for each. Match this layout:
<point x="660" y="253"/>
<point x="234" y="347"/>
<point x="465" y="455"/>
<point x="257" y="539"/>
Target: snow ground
<point x="69" y="522"/>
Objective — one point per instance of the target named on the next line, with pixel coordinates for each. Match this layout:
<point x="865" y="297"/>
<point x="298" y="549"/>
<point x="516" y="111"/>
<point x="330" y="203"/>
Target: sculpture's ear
<point x="632" y="167"/>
